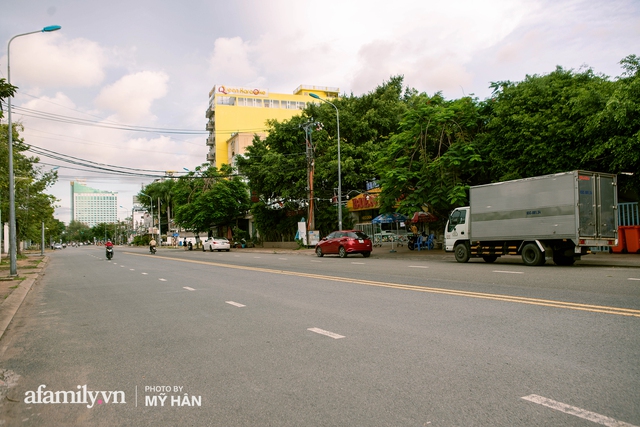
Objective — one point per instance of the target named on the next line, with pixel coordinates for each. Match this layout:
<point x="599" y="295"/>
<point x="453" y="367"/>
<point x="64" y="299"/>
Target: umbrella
<point x="421" y="216"/>
<point x="389" y="218"/>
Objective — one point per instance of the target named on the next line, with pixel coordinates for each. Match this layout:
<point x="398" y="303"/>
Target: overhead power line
<point x="88" y="165"/>
<point x="102" y="124"/>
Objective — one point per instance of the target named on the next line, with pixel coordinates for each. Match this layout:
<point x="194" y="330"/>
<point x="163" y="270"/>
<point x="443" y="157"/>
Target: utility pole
<point x="159" y="226"/>
<point x="308" y="127"/>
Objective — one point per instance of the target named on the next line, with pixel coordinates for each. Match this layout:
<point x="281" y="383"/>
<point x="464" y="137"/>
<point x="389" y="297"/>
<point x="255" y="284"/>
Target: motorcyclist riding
<point x="152" y="245"/>
<point x="109" y="249"/>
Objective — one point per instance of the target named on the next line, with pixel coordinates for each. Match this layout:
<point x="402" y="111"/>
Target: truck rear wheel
<point x="462" y="252"/>
<point x="532" y="255"/>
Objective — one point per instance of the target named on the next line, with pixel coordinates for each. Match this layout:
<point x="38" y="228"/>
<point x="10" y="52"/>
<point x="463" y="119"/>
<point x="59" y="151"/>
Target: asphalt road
<point x="258" y="339"/>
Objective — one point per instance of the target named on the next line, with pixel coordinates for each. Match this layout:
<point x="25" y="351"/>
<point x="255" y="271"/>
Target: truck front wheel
<point x="461" y="252"/>
<point x="532" y="255"/>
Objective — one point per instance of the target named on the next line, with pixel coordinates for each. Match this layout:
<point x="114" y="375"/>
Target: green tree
<point x="161" y="192"/>
<point x="434" y="156"/>
<point x="55" y="231"/>
<point x="6" y="90"/>
<point x="78" y="232"/>
<point x="542" y="124"/>
<point x="104" y="231"/>
<point x="615" y="129"/>
<point x="209" y="197"/>
<point x="276" y="167"/>
<point x="32" y="204"/>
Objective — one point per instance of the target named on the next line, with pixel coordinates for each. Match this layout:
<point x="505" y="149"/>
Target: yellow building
<point x="236" y="114"/>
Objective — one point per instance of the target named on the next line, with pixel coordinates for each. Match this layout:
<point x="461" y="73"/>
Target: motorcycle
<point x="412" y="239"/>
<point x="109" y="253"/>
<point x="152" y="249"/>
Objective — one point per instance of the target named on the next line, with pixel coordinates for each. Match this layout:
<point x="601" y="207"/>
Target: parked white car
<point x="216" y="244"/>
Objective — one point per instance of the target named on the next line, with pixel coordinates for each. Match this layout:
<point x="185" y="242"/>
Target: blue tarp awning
<point x="389" y="218"/>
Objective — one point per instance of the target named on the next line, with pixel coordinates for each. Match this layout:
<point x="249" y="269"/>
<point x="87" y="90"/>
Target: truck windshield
<point x="457" y="217"/>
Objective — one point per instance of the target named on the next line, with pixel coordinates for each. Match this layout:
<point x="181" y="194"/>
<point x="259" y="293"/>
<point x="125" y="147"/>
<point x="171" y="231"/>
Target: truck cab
<point x="457" y="228"/>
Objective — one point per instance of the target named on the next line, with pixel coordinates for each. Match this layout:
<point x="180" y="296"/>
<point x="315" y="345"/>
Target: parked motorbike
<point x="412" y="239"/>
<point x="109" y="253"/>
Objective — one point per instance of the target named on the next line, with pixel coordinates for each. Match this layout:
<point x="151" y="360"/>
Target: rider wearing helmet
<point x="108" y="246"/>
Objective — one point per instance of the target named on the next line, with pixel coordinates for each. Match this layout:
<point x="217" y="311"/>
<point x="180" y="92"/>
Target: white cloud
<point x="131" y="97"/>
<point x="231" y="62"/>
<point x="430" y="43"/>
<point x="50" y="60"/>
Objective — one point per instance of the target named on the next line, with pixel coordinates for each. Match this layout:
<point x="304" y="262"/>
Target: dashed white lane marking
<point x="163" y="280"/>
<point x="315" y="260"/>
<point x="257" y="257"/>
<point x="327" y="333"/>
<point x="633" y="278"/>
<point x="188" y="288"/>
<point x="145" y="273"/>
<point x="508" y="272"/>
<point x="418" y="266"/>
<point x="283" y="259"/>
<point x="122" y="266"/>
<point x="132" y="269"/>
<point x="237" y="304"/>
<point x="578" y="412"/>
<point x="358" y="263"/>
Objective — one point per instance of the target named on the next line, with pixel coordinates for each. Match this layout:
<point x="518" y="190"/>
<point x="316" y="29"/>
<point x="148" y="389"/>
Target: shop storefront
<point x="365" y="206"/>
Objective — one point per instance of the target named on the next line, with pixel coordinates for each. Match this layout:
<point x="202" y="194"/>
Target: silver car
<point x="216" y="244"/>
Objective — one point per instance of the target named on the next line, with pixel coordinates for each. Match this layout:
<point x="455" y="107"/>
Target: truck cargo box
<point x="571" y="205"/>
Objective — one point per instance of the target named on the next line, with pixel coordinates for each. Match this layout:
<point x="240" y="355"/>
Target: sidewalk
<point x="13" y="290"/>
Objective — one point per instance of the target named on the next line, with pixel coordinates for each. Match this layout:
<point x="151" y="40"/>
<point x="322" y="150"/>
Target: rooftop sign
<point x="243" y="91"/>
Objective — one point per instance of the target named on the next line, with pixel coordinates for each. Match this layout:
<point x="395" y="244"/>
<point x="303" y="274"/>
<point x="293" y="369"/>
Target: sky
<point x="151" y="64"/>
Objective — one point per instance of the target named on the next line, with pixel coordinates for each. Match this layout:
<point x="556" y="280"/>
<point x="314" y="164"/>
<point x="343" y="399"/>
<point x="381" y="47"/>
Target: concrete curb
<point x="13" y="302"/>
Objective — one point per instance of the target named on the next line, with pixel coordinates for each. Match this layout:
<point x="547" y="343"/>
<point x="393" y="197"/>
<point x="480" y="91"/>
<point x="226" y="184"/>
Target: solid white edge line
<point x="327" y="333"/>
<point x="237" y="304"/>
<point x="578" y="412"/>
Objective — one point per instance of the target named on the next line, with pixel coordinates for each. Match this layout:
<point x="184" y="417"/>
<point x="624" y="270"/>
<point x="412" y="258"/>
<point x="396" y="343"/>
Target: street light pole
<point x="313" y="95"/>
<point x="13" y="267"/>
<point x="151" y="202"/>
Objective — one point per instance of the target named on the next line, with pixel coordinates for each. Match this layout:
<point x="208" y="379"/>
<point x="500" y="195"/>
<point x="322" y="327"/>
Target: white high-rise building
<point x="91" y="206"/>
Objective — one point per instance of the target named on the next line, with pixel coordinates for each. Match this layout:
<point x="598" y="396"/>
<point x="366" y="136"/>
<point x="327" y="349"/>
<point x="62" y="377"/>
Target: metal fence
<point x="628" y="214"/>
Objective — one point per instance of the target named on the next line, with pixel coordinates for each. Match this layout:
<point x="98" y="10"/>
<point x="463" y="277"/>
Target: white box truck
<point x="557" y="216"/>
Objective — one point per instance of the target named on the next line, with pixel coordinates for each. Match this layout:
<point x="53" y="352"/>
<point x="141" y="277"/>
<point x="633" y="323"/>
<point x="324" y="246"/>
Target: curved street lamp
<point x="313" y="95"/>
<point x="13" y="268"/>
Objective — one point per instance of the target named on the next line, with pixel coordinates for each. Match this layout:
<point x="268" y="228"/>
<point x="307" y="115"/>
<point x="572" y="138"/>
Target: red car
<point x="345" y="242"/>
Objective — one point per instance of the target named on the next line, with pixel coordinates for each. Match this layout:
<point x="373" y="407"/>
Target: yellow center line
<point x="496" y="297"/>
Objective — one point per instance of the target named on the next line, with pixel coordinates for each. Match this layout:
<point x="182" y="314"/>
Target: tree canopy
<point x="32" y="205"/>
<point x="203" y="198"/>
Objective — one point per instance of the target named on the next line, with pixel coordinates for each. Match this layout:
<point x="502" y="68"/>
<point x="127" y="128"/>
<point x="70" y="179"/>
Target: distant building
<point x="236" y="114"/>
<point x="91" y="206"/>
